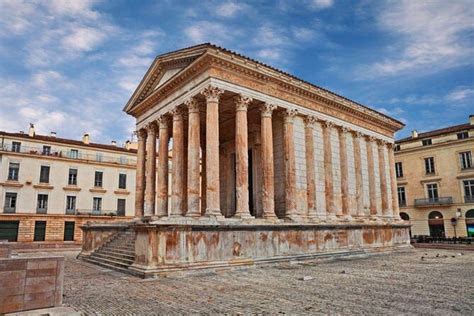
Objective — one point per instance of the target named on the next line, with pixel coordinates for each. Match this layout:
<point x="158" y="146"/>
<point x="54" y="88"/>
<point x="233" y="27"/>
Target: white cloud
<point x="229" y="9"/>
<point x="429" y="36"/>
<point x="321" y="4"/>
<point x="205" y="31"/>
<point x="45" y="78"/>
<point x="460" y="94"/>
<point x="269" y="35"/>
<point x="83" y="39"/>
<point x="272" y="54"/>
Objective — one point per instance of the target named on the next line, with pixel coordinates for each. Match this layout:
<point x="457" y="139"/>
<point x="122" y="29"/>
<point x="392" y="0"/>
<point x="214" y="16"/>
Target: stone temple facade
<point x="265" y="167"/>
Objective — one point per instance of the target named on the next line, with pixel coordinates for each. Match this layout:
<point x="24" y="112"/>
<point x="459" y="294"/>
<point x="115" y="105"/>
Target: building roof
<point x="66" y="141"/>
<point x="437" y="132"/>
<point x="205" y="46"/>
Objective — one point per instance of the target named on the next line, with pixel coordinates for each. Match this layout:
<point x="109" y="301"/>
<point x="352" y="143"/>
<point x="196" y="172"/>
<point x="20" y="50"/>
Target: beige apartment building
<point x="49" y="186"/>
<point x="435" y="177"/>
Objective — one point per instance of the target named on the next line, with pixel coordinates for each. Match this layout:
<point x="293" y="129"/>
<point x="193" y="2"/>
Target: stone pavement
<point x="415" y="282"/>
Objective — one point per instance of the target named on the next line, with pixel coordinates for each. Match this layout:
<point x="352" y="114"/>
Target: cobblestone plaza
<point x="399" y="283"/>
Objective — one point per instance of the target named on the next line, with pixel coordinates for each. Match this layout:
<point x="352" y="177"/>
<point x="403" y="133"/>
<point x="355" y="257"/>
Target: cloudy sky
<point x="71" y="65"/>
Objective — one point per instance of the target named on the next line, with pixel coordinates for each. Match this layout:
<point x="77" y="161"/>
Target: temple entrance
<point x="436" y="224"/>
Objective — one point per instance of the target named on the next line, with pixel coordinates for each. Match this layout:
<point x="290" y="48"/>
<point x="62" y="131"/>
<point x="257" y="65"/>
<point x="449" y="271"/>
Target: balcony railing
<point x="402" y="203"/>
<point x="123" y="160"/>
<point x="92" y="212"/>
<point x="434" y="201"/>
<point x="469" y="199"/>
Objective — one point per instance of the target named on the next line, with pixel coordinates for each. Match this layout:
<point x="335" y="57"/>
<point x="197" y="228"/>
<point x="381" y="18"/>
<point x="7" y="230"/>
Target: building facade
<point x="50" y="186"/>
<point x="288" y="169"/>
<point x="435" y="179"/>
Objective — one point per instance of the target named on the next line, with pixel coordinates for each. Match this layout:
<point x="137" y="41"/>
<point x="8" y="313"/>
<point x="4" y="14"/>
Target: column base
<point x="193" y="214"/>
<point x="243" y="215"/>
<point x="213" y="213"/>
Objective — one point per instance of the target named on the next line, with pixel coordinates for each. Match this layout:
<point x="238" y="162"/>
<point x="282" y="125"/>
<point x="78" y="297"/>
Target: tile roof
<point x="441" y="131"/>
<point x="66" y="141"/>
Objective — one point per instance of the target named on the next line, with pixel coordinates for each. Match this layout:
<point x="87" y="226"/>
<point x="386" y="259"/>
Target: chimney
<point x="114" y="143"/>
<point x="53" y="134"/>
<point x="31" y="130"/>
<point x="127" y="144"/>
<point x="471" y="119"/>
<point x="414" y="134"/>
<point x="85" y="138"/>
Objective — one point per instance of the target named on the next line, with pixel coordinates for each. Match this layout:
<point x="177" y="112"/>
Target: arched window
<point x="404" y="216"/>
<point x="470" y="223"/>
<point x="470" y="213"/>
<point x="435" y="215"/>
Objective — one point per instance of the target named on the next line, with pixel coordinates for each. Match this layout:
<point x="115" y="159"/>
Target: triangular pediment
<point x="163" y="69"/>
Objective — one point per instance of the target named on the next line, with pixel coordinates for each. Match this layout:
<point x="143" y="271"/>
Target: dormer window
<point x="16" y="147"/>
<point x="426" y="142"/>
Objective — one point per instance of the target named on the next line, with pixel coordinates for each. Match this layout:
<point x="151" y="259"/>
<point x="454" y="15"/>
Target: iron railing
<point x="93" y="212"/>
<point x="69" y="154"/>
<point x="434" y="201"/>
<point x="469" y="199"/>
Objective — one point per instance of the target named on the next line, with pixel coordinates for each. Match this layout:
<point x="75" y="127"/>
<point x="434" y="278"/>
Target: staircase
<point x="118" y="253"/>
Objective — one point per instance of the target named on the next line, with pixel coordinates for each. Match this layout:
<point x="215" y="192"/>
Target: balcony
<point x="90" y="212"/>
<point x="469" y="199"/>
<point x="74" y="155"/>
<point x="447" y="200"/>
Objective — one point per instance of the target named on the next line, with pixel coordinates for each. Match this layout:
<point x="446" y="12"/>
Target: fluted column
<point x="203" y="175"/>
<point x="310" y="166"/>
<point x="150" y="169"/>
<point x="193" y="186"/>
<point x="241" y="157"/>
<point x="290" y="163"/>
<point x="328" y="174"/>
<point x="178" y="163"/>
<point x="393" y="183"/>
<point x="359" y="185"/>
<point x="342" y="132"/>
<point x="268" y="189"/>
<point x="140" y="173"/>
<point x="371" y="173"/>
<point x="383" y="178"/>
<point x="162" y="169"/>
<point x="212" y="95"/>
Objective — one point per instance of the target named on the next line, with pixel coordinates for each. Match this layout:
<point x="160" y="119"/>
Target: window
<point x="99" y="156"/>
<point x="432" y="191"/>
<point x="74" y="154"/>
<point x="10" y="202"/>
<point x="47" y="150"/>
<point x="98" y="179"/>
<point x="122" y="181"/>
<point x="13" y="171"/>
<point x="16" y="147"/>
<point x="121" y="207"/>
<point x="68" y="231"/>
<point x="70" y="204"/>
<point x="463" y="135"/>
<point x="72" y="178"/>
<point x="429" y="165"/>
<point x="465" y="159"/>
<point x="426" y="142"/>
<point x="397" y="148"/>
<point x="44" y="174"/>
<point x="42" y="205"/>
<point x="402" y="199"/>
<point x="399" y="169"/>
<point x="468" y="191"/>
<point x="97" y="205"/>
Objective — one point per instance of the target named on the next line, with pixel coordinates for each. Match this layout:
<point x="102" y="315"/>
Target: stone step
<point x="112" y="267"/>
<point x="128" y="256"/>
<point x="115" y="257"/>
<point x="109" y="261"/>
<point x="119" y="248"/>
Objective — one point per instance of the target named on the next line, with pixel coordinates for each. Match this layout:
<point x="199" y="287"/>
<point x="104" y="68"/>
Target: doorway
<point x="436" y="224"/>
<point x="40" y="231"/>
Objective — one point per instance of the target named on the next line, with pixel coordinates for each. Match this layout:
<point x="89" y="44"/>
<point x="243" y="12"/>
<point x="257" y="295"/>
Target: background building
<point x="49" y="186"/>
<point x="435" y="177"/>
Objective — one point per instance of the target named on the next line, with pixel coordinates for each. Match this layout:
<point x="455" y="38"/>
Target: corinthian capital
<point x="212" y="93"/>
<point x="151" y="128"/>
<point x="328" y="124"/>
<point x="192" y="105"/>
<point x="177" y="113"/>
<point x="141" y="133"/>
<point x="289" y="115"/>
<point x="310" y="121"/>
<point x="266" y="109"/>
<point x="242" y="102"/>
<point x="163" y="121"/>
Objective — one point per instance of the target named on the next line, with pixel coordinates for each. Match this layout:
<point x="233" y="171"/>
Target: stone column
<point x="177" y="208"/>
<point x="290" y="164"/>
<point x="203" y="175"/>
<point x="393" y="183"/>
<point x="342" y="132"/>
<point x="194" y="184"/>
<point x="268" y="189"/>
<point x="310" y="165"/>
<point x="383" y="178"/>
<point x="241" y="157"/>
<point x="140" y="173"/>
<point x="212" y="95"/>
<point x="371" y="173"/>
<point x="359" y="211"/>
<point x="328" y="176"/>
<point x="163" y="172"/>
<point x="150" y="169"/>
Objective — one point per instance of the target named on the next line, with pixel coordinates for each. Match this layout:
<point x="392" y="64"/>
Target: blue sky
<point x="70" y="66"/>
